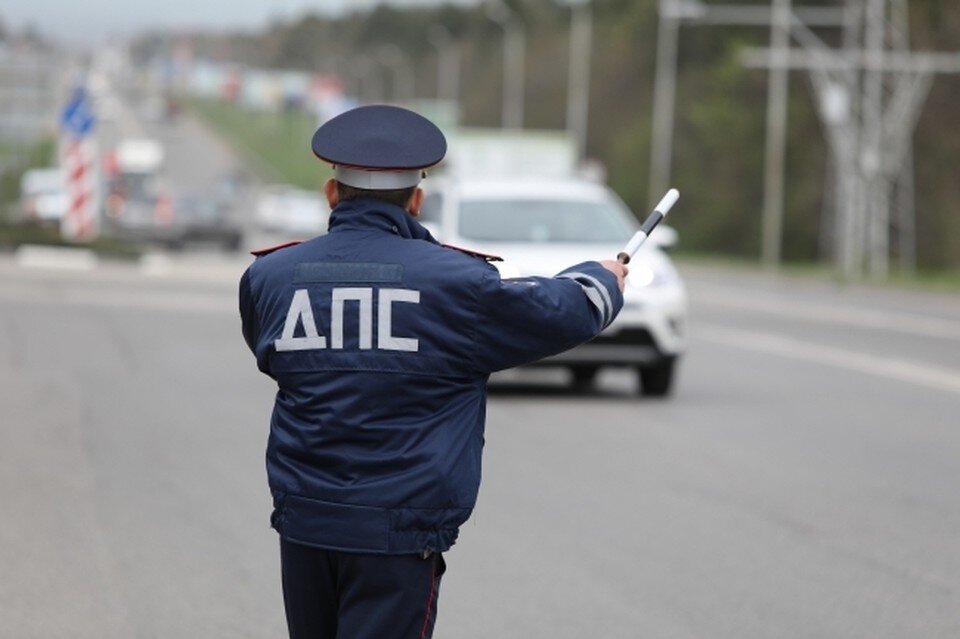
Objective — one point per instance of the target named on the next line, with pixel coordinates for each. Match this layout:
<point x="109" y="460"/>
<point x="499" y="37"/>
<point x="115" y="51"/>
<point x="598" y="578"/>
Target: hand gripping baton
<point x="651" y="222"/>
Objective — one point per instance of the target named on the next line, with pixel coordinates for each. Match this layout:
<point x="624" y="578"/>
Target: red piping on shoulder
<point x="271" y="249"/>
<point x="483" y="256"/>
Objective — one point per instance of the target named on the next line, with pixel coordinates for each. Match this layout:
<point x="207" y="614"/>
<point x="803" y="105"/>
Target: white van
<point x="43" y="196"/>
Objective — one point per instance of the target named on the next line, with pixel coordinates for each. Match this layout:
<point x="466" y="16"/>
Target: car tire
<point x="657" y="381"/>
<point x="583" y="376"/>
<point x="232" y="243"/>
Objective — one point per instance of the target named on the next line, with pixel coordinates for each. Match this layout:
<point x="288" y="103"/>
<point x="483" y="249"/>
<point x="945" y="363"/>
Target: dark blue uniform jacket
<point x="381" y="341"/>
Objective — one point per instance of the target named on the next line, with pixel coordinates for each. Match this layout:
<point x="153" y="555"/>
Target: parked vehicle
<point x="199" y="219"/>
<point x="296" y="213"/>
<point x="43" y="196"/>
<point x="176" y="222"/>
<point x="132" y="169"/>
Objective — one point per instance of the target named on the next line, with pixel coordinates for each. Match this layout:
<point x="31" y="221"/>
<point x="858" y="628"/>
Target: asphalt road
<point x="802" y="482"/>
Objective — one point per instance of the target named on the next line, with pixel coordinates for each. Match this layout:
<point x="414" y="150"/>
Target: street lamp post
<point x="514" y="47"/>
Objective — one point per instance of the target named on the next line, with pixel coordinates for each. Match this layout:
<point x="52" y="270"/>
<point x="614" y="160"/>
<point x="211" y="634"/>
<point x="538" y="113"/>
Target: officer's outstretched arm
<point x="526" y="319"/>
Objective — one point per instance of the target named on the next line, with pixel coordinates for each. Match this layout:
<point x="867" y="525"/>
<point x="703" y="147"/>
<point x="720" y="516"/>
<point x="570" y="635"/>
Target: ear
<point x="416" y="201"/>
<point x="330" y="190"/>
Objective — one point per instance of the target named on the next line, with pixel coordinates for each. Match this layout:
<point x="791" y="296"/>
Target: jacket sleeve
<point x="250" y="322"/>
<point x="522" y="320"/>
<point x="248" y="314"/>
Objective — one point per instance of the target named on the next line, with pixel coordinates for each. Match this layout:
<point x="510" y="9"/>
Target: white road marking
<point x="903" y="370"/>
<point x="844" y="315"/>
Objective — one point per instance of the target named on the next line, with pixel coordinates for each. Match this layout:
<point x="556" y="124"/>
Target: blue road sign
<point x="77" y="117"/>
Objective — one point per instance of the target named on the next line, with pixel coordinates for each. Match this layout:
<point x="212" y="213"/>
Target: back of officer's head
<point x="379" y="152"/>
<point x="400" y="197"/>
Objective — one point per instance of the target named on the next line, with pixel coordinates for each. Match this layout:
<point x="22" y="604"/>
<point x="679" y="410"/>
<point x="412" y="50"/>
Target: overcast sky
<point x="88" y="21"/>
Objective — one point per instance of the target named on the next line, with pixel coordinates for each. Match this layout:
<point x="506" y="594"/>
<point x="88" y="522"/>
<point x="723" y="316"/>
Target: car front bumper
<point x="649" y="330"/>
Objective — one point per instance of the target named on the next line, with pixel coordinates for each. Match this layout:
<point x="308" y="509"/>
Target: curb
<point x="56" y="257"/>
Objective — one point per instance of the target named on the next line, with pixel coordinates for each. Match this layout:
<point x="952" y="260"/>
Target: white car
<point x="294" y="212"/>
<point x="43" y="196"/>
<point x="541" y="227"/>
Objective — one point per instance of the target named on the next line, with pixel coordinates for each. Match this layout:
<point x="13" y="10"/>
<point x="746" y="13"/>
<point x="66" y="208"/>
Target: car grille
<point x="631" y="336"/>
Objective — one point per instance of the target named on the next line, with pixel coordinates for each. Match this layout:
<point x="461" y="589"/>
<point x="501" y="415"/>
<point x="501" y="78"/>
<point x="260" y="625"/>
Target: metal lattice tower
<point x="870" y="91"/>
<point x="886" y="85"/>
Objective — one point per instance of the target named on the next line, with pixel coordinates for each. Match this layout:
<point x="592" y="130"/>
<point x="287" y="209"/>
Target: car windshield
<point x="198" y="208"/>
<point x="542" y="221"/>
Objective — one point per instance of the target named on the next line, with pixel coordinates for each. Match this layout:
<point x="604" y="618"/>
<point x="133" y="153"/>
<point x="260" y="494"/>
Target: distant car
<point x="143" y="218"/>
<point x="175" y="222"/>
<point x="139" y="155"/>
<point x="294" y="212"/>
<point x="540" y="227"/>
<point x="132" y="173"/>
<point x="205" y="219"/>
<point x="43" y="196"/>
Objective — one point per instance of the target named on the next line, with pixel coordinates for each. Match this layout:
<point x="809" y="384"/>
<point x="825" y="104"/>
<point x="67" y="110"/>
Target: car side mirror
<point x="664" y="237"/>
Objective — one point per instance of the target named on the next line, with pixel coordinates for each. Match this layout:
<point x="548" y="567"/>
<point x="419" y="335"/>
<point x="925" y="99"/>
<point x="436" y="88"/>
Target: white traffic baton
<point x="659" y="212"/>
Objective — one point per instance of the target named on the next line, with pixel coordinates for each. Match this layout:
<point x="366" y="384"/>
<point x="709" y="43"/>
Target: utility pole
<point x="776" y="139"/>
<point x="905" y="203"/>
<point x="578" y="79"/>
<point x="448" y="64"/>
<point x="664" y="98"/>
<point x="877" y="202"/>
<point x="514" y="63"/>
<point x="845" y="138"/>
<point x="402" y="80"/>
<point x="368" y="79"/>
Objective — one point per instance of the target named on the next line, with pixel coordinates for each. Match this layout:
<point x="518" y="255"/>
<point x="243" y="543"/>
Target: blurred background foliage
<point x="718" y="146"/>
<point x="20" y="159"/>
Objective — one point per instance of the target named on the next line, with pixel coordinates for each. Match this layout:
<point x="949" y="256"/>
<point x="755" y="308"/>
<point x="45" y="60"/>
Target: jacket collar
<point x="370" y="214"/>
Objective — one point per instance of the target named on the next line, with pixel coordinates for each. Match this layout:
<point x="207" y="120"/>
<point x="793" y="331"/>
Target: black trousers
<point x="338" y="595"/>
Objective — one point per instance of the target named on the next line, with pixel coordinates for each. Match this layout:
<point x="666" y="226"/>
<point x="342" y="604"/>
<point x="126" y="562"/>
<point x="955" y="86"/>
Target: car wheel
<point x="583" y="376"/>
<point x="233" y="243"/>
<point x="657" y="381"/>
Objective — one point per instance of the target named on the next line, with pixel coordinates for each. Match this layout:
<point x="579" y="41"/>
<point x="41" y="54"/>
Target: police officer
<point x="381" y="341"/>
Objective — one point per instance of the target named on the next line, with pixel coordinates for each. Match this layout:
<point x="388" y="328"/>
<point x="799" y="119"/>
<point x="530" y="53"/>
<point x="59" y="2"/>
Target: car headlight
<point x="508" y="270"/>
<point x="644" y="275"/>
<point x="641" y="276"/>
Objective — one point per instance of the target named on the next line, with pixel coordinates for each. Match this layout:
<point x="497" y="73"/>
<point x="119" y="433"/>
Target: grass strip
<point x="276" y="145"/>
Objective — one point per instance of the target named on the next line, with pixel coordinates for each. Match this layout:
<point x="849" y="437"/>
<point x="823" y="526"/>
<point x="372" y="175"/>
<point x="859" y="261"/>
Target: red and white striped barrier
<point x="80" y="161"/>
